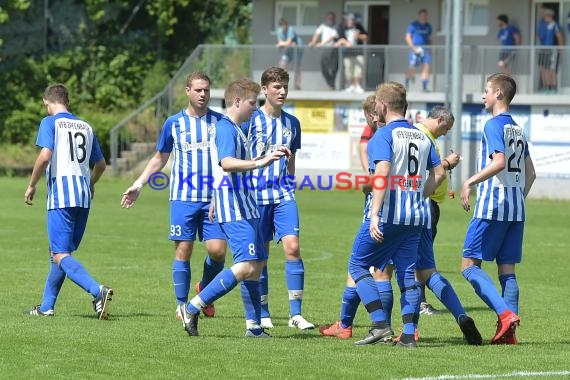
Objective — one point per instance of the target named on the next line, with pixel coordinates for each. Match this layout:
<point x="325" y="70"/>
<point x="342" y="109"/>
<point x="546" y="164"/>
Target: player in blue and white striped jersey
<point x="270" y="128"/>
<point x="236" y="210"/>
<point x="401" y="155"/>
<point x="68" y="146"/>
<point x="189" y="136"/>
<point x="505" y="174"/>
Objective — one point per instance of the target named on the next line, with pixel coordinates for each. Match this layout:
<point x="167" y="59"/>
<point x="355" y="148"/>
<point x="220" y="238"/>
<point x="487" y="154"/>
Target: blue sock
<point x="211" y="270"/>
<point x="425" y="84"/>
<point x="368" y="293"/>
<point x="387" y="298"/>
<point x="264" y="291"/>
<point x="77" y="273"/>
<point x="54" y="281"/>
<point x="485" y="288"/>
<point x="445" y="293"/>
<point x="510" y="288"/>
<point x="350" y="302"/>
<point x="251" y="303"/>
<point x="181" y="280"/>
<point x="295" y="277"/>
<point x="416" y="316"/>
<point x="219" y="286"/>
<point x="409" y="299"/>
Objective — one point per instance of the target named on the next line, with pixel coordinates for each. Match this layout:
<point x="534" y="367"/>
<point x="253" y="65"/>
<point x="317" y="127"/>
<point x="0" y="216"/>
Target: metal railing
<point x="379" y="63"/>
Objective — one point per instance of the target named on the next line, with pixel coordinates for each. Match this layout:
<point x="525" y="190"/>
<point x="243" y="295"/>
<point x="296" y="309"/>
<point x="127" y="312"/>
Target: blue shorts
<point x="278" y="220"/>
<point x="244" y="239"/>
<point x="494" y="240"/>
<point x="400" y="245"/>
<point x="426" y="257"/>
<point x="419" y="59"/>
<point x="187" y="218"/>
<point x="65" y="228"/>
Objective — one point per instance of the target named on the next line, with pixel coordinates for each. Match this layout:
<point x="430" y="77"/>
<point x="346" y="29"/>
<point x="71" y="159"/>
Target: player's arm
<point x="291" y="165"/>
<point x="560" y="38"/>
<point x="530" y="175"/>
<point x="315" y="37"/>
<point x="409" y="41"/>
<point x="155" y="164"/>
<point x="364" y="156"/>
<point x="96" y="173"/>
<point x="42" y="161"/>
<point x="382" y="169"/>
<point x="436" y="177"/>
<point x="518" y="38"/>
<point x="497" y="164"/>
<point x="232" y="164"/>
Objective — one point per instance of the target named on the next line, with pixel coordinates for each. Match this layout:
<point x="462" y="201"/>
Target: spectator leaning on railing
<point x="548" y="34"/>
<point x="509" y="35"/>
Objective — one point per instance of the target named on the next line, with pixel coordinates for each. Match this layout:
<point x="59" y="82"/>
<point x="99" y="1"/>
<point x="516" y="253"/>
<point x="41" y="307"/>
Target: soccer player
<point x="68" y="146"/>
<point x="190" y="135"/>
<point x="438" y="122"/>
<point x="350" y="300"/>
<point x="236" y="210"/>
<point x="271" y="128"/>
<point x="418" y="38"/>
<point x="391" y="230"/>
<point x="504" y="178"/>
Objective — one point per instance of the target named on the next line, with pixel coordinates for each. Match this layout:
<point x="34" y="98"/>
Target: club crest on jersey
<point x="260" y="146"/>
<point x="212" y="130"/>
<point x="286" y="132"/>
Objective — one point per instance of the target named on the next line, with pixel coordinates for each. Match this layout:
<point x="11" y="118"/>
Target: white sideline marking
<point x="492" y="376"/>
<point x="323" y="256"/>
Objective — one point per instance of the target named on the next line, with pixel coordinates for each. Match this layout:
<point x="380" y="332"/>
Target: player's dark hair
<point x="241" y="88"/>
<point x="393" y="94"/>
<point x="423" y="10"/>
<point x="505" y="83"/>
<point x="274" y="74"/>
<point x="440" y="111"/>
<point x="58" y="94"/>
<point x="197" y="75"/>
<point x="504" y="18"/>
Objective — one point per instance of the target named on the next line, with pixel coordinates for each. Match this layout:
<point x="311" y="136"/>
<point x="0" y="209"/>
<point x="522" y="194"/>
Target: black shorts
<point x="548" y="59"/>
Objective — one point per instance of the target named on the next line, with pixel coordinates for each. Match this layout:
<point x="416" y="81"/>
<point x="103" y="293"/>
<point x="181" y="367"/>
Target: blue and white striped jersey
<point x="234" y="192"/>
<point x="191" y="139"/>
<point x="411" y="154"/>
<point x="74" y="146"/>
<point x="501" y="197"/>
<point x="267" y="134"/>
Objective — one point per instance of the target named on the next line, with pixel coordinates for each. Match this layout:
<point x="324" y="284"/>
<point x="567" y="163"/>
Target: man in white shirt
<point x="329" y="58"/>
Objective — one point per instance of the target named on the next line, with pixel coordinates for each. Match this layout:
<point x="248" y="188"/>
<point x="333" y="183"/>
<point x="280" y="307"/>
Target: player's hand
<point x="465" y="192"/>
<point x="453" y="159"/>
<point x="375" y="232"/>
<point x="92" y="191"/>
<point x="29" y="195"/>
<point x="130" y="196"/>
<point x="418" y="50"/>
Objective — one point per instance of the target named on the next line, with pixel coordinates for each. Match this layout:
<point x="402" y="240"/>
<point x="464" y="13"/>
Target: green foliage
<point x="111" y="54"/>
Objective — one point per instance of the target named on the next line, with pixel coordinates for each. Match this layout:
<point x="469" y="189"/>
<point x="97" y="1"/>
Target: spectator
<point x="418" y="38"/>
<point x="509" y="35"/>
<point x="550" y="35"/>
<point x="353" y="60"/>
<point x="327" y="34"/>
<point x="289" y="44"/>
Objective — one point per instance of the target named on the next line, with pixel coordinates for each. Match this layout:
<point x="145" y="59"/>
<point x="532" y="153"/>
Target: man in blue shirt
<point x="509" y="35"/>
<point x="68" y="148"/>
<point x="548" y="35"/>
<point x="418" y="38"/>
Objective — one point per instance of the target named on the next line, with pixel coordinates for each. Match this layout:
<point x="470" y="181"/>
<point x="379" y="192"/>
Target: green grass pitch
<point x="129" y="250"/>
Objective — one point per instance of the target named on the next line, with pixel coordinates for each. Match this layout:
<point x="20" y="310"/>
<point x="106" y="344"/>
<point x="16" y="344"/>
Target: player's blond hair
<point x="241" y="88"/>
<point x="274" y="75"/>
<point x="393" y="94"/>
<point x="505" y="83"/>
<point x="197" y="75"/>
<point x="57" y="93"/>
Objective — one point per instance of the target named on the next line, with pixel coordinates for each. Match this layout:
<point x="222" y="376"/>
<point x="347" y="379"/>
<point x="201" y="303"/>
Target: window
<point x="475" y="18"/>
<point x="304" y="16"/>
